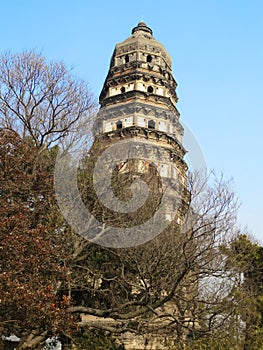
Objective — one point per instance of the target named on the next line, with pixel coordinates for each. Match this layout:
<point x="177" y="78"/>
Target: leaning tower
<point x="138" y="103"/>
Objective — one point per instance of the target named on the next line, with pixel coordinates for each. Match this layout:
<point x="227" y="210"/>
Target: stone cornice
<point x="107" y="113"/>
<point x="137" y="66"/>
<point x="146" y="96"/>
<point x="177" y="151"/>
<point x="129" y="77"/>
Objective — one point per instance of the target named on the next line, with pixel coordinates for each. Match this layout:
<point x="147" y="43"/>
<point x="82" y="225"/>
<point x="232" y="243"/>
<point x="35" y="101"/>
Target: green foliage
<point x="96" y="340"/>
<point x="246" y="257"/>
<point x="212" y="343"/>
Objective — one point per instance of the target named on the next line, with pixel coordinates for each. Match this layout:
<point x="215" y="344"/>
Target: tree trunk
<point x="33" y="340"/>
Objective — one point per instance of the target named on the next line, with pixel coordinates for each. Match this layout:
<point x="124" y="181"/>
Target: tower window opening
<point x="127" y="59"/>
<point x="151" y="124"/>
<point x="119" y="124"/>
<point x="149" y="58"/>
<point x="150" y="89"/>
<point x="122" y="89"/>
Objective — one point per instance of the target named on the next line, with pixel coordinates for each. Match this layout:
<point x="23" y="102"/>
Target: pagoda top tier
<point x="139" y="54"/>
<point x="142" y="38"/>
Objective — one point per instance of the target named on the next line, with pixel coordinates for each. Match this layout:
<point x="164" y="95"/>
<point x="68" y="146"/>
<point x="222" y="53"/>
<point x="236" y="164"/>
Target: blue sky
<point x="217" y="52"/>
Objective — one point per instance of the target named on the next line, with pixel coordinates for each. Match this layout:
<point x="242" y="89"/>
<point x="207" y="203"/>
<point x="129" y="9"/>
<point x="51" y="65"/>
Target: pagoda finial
<point x="141" y="26"/>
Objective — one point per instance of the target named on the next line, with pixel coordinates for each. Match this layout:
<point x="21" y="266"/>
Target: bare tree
<point x="41" y="100"/>
<point x="177" y="283"/>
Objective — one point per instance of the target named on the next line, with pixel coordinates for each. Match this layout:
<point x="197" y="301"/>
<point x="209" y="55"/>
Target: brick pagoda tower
<point x="138" y="102"/>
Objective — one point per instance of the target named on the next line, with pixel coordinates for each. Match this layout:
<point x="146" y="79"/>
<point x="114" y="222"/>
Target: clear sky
<point x="217" y="52"/>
